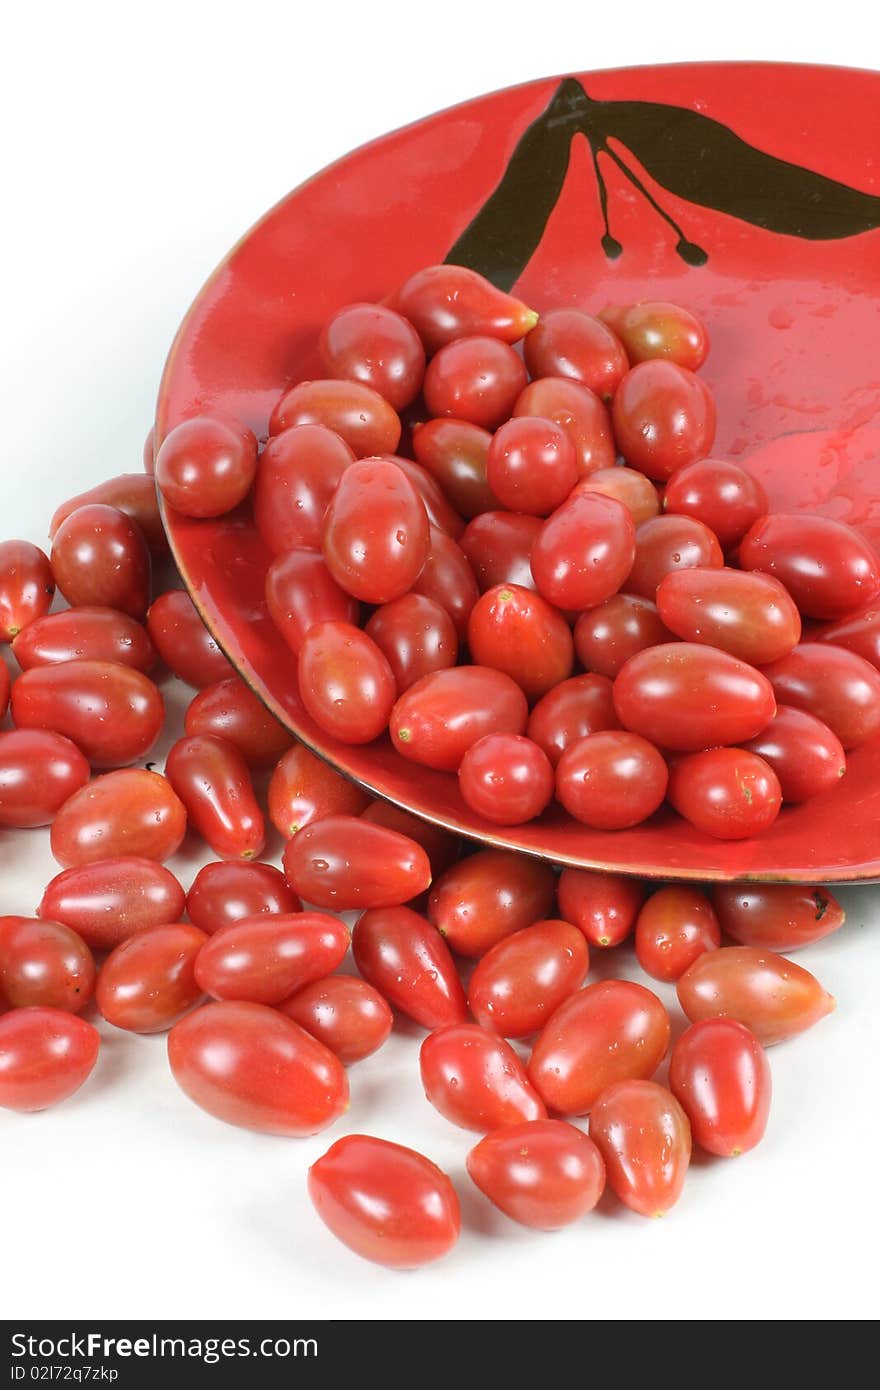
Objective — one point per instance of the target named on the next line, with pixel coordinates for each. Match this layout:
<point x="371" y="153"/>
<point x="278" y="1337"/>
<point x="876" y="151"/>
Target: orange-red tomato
<point x="183" y="642"/>
<point x="27" y="586"/>
<point x="375" y="534"/>
<point x="832" y="683"/>
<point x="643" y="1135"/>
<point x="605" y="637"/>
<point x="148" y="981"/>
<point x="476" y="1080"/>
<point x="409" y="963"/>
<point x="498" y="546"/>
<point x="445" y="302"/>
<point x="439" y="718"/>
<point x="364" y="420"/>
<point x="100" y="557"/>
<point x="44" y="963"/>
<point x="228" y="890"/>
<point x="344" y="1013"/>
<point x="205" y="465"/>
<point x="474" y="379"/>
<point x="667" y="544"/>
<point x="664" y="418"/>
<point x="132" y="493"/>
<point x="299" y="472"/>
<point x="387" y="1203"/>
<point x="416" y="635"/>
<point x="805" y="754"/>
<point x="345" y="862"/>
<point x="39" y="771"/>
<point x="611" y="1031"/>
<point x="266" y="958"/>
<point x="506" y="779"/>
<point x="516" y="631"/>
<point x="85" y="634"/>
<point x="725" y="792"/>
<point x="720" y="1075"/>
<point x="113" y="713"/>
<point x="570" y="711"/>
<point x="212" y="780"/>
<point x="569" y="343"/>
<point x="249" y="1065"/>
<point x="749" y="615"/>
<point x="675" y="925"/>
<point x="543" y="1173"/>
<point x="652" y="329"/>
<point x="303" y="788"/>
<point x="531" y="466"/>
<point x="611" y="780"/>
<point x="769" y="994"/>
<point x="686" y="697"/>
<point x="230" y="710"/>
<point x="448" y="579"/>
<point x="440" y="846"/>
<point x="637" y="493"/>
<point x="301" y="592"/>
<point x="488" y="896"/>
<point x="777" y="916"/>
<point x="45" y="1056"/>
<point x="829" y="569"/>
<point x="578" y="411"/>
<point x="602" y="906"/>
<point x="372" y="344"/>
<point x="111" y="899"/>
<point x="522" y="979"/>
<point x="584" y="551"/>
<point x="131" y="812"/>
<point x="724" y="497"/>
<point x="345" y="682"/>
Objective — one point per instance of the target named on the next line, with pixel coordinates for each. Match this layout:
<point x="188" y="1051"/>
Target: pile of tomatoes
<point x="515" y="531"/>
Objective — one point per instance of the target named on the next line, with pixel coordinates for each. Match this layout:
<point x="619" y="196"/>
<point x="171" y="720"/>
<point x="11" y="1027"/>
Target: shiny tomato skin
<point x="250" y="1066"/>
<point x="832" y="683"/>
<point x="206" y="465"/>
<point x="644" y="1136"/>
<point x="416" y="636"/>
<point x="719" y="1074"/>
<point x="725" y="792"/>
<point x="112" y="713"/>
<point x="675" y="925"/>
<point x="230" y="710"/>
<point x="148" y="981"/>
<point x="749" y="615"/>
<point x="569" y="343"/>
<point x="131" y="812"/>
<point x="44" y="963"/>
<point x="521" y="980"/>
<point x="476" y="1080"/>
<point x="448" y="579"/>
<point x="519" y="632"/>
<point x="212" y="780"/>
<point x="5" y="688"/>
<point x="545" y="1173"/>
<point x="387" y="1203"/>
<point x="363" y="419"/>
<point x="183" y="642"/>
<point x="859" y="634"/>
<point x="686" y="697"/>
<point x="375" y="535"/>
<point x="266" y="958"/>
<point x="45" y="1056"/>
<point x="132" y="493"/>
<point x="455" y="453"/>
<point x="301" y="592"/>
<point x="441" y="846"/>
<point x="776" y="916"/>
<point x="227" y="891"/>
<point x="608" y="635"/>
<point x="39" y="771"/>
<point x="474" y="379"/>
<point x="345" y="682"/>
<point x="637" y="493"/>
<point x="444" y="714"/>
<point x="666" y="544"/>
<point x="506" y="778"/>
<point x="531" y="466"/>
<point x="771" y="995"/>
<point x="347" y="863"/>
<point x="664" y="418"/>
<point x="27" y="587"/>
<point x="446" y="302"/>
<point x="584" y="552"/>
<point x="602" y="906"/>
<point x="303" y="788"/>
<point x="406" y="959"/>
<point x="578" y="411"/>
<point x="85" y="634"/>
<point x="299" y="472"/>
<point x="344" y="1013"/>
<point x="575" y="708"/>
<point x="805" y="754"/>
<point x="372" y="344"/>
<point x="724" y="497"/>
<point x="488" y="896"/>
<point x="440" y="510"/>
<point x="100" y="558"/>
<point x="607" y="1032"/>
<point x="657" y="329"/>
<point x="108" y="900"/>
<point x="498" y="546"/>
<point x="611" y="780"/>
<point x="829" y="569"/>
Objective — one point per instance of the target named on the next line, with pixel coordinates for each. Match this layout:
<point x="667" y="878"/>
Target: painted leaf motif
<point x="691" y="155"/>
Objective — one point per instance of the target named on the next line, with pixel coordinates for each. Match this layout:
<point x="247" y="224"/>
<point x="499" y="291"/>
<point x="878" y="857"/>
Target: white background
<point x="139" y="143"/>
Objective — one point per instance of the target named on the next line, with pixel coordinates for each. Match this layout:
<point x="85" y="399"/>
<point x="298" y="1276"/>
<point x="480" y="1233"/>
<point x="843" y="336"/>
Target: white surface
<point x="135" y="154"/>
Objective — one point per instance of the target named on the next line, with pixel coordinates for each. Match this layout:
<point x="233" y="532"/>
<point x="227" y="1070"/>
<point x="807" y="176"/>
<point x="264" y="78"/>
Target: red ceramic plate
<point x="749" y="192"/>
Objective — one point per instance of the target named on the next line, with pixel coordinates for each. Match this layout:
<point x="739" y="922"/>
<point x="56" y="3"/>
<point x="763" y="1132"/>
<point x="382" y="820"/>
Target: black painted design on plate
<point x="691" y="155"/>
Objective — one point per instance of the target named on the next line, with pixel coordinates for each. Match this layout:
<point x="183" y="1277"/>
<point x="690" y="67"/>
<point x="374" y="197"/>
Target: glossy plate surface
<point x="748" y="192"/>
